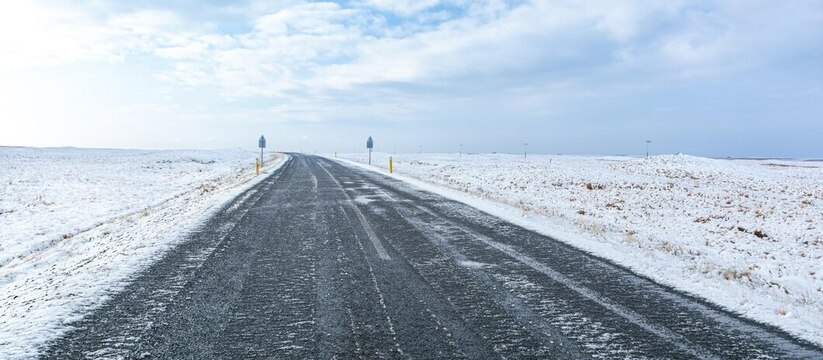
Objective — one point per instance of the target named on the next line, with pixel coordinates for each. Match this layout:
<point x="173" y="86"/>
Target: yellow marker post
<point x="257" y="166"/>
<point x="391" y="165"/>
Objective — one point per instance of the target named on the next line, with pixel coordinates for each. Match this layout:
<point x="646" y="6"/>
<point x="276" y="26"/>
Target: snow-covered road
<point x="76" y="223"/>
<point x="328" y="261"/>
<point x="745" y="234"/>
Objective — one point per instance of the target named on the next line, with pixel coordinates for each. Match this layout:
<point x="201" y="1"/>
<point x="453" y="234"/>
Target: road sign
<point x="370" y="145"/>
<point x="261" y="143"/>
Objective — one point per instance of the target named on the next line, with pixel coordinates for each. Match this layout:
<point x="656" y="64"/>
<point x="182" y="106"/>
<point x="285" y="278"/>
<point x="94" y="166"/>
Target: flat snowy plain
<point x="744" y="234"/>
<point x="75" y="224"/>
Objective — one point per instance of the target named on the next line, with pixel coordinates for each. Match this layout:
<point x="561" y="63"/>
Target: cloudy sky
<point x="725" y="78"/>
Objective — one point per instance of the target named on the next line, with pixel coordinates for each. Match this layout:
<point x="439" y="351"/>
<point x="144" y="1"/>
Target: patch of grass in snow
<point x="591" y="186"/>
<point x="614" y="205"/>
<point x="669" y="247"/>
<point x="206" y="187"/>
<point x="593" y="227"/>
<point x="733" y="274"/>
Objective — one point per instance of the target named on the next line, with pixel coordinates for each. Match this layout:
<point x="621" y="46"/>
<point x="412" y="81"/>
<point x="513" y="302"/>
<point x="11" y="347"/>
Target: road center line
<point x="378" y="245"/>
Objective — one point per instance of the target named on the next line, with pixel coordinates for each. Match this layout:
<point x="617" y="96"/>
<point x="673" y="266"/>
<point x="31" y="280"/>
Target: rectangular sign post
<point x="370" y="146"/>
<point x="261" y="143"/>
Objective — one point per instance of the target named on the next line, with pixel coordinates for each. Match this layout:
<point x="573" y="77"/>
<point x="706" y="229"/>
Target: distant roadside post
<point x="261" y="143"/>
<point x="647" y="147"/>
<point x="370" y="146"/>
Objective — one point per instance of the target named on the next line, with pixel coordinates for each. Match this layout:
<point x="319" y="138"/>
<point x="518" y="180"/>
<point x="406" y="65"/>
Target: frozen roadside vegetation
<point x="744" y="234"/>
<point x="76" y="223"/>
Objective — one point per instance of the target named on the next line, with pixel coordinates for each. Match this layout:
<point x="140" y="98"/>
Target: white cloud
<point x="310" y="18"/>
<point x="403" y="7"/>
<point x="312" y="46"/>
<point x="319" y="60"/>
<point x="32" y="35"/>
<point x="147" y="22"/>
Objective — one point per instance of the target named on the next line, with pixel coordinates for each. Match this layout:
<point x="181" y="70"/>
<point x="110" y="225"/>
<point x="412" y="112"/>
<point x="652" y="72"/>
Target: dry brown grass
<point x="732" y="274"/>
<point x="613" y="206"/>
<point x="591" y="186"/>
<point x="204" y="188"/>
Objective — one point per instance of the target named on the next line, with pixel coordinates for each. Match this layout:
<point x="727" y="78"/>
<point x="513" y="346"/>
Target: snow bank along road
<point x="744" y="234"/>
<point x="326" y="260"/>
<point x="76" y="224"/>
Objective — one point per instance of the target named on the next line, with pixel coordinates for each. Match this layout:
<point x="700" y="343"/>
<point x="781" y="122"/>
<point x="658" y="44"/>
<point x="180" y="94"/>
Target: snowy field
<point x="76" y="223"/>
<point x="745" y="234"/>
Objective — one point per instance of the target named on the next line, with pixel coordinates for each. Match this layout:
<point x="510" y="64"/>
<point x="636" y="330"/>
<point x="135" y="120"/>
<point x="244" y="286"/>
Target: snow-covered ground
<point x="76" y="223"/>
<point x="745" y="234"/>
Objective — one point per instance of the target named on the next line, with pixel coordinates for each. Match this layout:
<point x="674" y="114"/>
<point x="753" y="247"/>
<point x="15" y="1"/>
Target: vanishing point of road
<point x="324" y="260"/>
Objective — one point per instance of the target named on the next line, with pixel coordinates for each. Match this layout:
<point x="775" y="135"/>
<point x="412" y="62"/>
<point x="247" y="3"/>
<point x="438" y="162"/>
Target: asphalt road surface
<point x="323" y="260"/>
